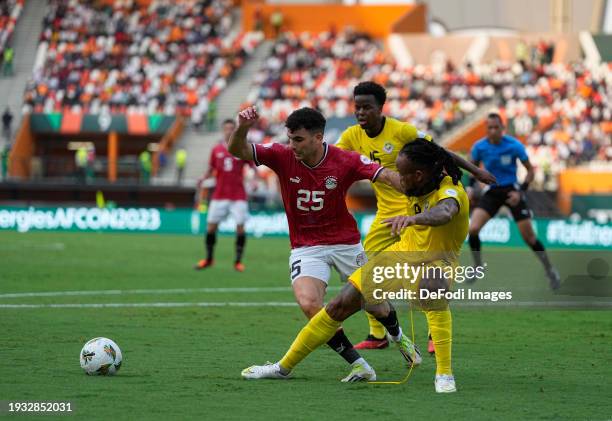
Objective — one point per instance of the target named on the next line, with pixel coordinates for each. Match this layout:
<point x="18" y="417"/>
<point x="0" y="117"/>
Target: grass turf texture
<point x="185" y="362"/>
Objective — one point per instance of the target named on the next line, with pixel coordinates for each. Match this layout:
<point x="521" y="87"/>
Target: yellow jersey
<point x="383" y="149"/>
<point x="447" y="238"/>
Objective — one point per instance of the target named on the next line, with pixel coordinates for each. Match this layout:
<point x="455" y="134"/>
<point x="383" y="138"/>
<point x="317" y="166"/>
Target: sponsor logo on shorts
<point x="331" y="182"/>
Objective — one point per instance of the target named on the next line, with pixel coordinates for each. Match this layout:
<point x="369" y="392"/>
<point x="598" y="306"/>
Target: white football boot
<point x="267" y="371"/>
<point x="445" y="383"/>
<point x="360" y="372"/>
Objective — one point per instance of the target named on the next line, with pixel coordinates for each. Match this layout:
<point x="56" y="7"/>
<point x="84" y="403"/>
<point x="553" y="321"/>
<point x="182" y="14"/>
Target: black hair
<point x="306" y="118"/>
<point x="435" y="158"/>
<point x="228" y="121"/>
<point x="496" y="116"/>
<point x="371" y="88"/>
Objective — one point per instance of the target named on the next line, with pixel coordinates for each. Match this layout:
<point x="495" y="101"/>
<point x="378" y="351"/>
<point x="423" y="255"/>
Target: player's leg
<point x="319" y="330"/>
<point x="439" y="321"/>
<point x="310" y="273"/>
<point x="209" y="244"/>
<point x="239" y="210"/>
<point x="526" y="229"/>
<point x="217" y="211"/>
<point x="478" y="220"/>
<point x="378" y="238"/>
<point x="322" y="327"/>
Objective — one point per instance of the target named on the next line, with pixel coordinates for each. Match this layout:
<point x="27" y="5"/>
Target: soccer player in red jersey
<point x="314" y="179"/>
<point x="228" y="198"/>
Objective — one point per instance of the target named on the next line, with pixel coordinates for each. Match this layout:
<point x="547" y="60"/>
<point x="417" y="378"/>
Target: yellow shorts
<point x="398" y="274"/>
<point x="379" y="237"/>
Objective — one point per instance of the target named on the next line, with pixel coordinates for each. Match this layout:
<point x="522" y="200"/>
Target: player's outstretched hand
<point x="248" y="117"/>
<point x="485" y="176"/>
<point x="398" y="223"/>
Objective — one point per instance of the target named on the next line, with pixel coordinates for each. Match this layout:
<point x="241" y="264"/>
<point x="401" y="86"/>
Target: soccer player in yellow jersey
<point x="381" y="138"/>
<point x="435" y="224"/>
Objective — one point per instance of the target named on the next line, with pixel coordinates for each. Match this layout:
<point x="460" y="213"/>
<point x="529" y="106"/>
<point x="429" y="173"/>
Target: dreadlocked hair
<point x="429" y="155"/>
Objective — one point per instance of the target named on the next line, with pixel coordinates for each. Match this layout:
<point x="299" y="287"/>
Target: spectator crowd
<point x="128" y="56"/>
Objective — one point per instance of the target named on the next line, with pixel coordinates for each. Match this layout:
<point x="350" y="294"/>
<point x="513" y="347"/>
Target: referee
<point x="499" y="153"/>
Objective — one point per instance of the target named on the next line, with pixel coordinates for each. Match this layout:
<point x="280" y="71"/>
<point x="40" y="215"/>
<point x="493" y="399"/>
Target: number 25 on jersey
<point x="306" y="196"/>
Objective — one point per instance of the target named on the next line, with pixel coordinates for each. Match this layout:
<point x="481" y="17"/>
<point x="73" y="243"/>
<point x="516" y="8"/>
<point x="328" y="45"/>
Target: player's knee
<point x="309" y="305"/>
<point x="379" y="310"/>
<point x="474" y="230"/>
<point x="431" y="289"/>
<point x="334" y="308"/>
<point x="337" y="309"/>
<point x="529" y="238"/>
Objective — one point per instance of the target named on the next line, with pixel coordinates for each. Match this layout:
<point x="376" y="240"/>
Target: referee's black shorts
<point x="495" y="197"/>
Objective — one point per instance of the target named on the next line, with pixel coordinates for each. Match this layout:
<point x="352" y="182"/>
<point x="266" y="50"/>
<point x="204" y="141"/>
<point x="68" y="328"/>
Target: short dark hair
<point x="371" y="88"/>
<point x="496" y="116"/>
<point x="427" y="154"/>
<point x="306" y="118"/>
<point x="228" y="121"/>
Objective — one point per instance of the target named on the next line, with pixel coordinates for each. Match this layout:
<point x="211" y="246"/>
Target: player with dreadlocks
<point x="431" y="235"/>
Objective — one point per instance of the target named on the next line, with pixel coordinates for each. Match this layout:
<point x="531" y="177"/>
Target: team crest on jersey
<point x="331" y="182"/>
<point x="451" y="192"/>
<point x="361" y="259"/>
<point x="388" y="147"/>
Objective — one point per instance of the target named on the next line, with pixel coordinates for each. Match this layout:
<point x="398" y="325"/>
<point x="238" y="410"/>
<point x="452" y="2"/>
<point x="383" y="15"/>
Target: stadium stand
<point x="170" y="58"/>
<point x="9" y="13"/>
<point x="563" y="112"/>
<point x="321" y="70"/>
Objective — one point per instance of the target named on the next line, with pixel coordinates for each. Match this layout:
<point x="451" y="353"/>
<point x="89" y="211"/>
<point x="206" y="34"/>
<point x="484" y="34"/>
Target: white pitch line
<point x="535" y="304"/>
<point x="145" y="305"/>
<point x="152" y="291"/>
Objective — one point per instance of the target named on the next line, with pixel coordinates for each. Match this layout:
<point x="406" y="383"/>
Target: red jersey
<point x="314" y="197"/>
<point x="229" y="173"/>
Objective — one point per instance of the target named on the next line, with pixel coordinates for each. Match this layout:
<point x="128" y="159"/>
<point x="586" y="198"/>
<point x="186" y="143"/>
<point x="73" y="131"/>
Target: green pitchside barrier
<point x="557" y="233"/>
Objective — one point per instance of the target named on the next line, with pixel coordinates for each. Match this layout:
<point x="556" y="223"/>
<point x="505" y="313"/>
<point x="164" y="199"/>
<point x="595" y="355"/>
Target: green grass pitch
<point x="184" y="361"/>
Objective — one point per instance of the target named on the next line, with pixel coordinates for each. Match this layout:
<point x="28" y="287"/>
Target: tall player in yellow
<point x="435" y="224"/>
<point x="381" y="138"/>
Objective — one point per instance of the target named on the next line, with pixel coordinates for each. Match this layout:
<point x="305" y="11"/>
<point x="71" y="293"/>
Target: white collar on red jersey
<point x="318" y="164"/>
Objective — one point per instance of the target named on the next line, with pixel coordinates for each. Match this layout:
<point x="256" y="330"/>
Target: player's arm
<point x="238" y="145"/>
<point x="345" y="141"/>
<point x="440" y="214"/>
<point x="530" y="174"/>
<point x="514" y="197"/>
<point x="390" y="178"/>
<point x="409" y="133"/>
<point x="480" y="174"/>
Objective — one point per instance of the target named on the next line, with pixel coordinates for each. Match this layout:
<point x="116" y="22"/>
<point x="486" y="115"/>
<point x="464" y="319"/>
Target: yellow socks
<point x="440" y="325"/>
<point x="376" y="328"/>
<point x="318" y="331"/>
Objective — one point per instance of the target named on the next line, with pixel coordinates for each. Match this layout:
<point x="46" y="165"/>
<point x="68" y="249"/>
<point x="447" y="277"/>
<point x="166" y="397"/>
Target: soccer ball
<point x="101" y="356"/>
